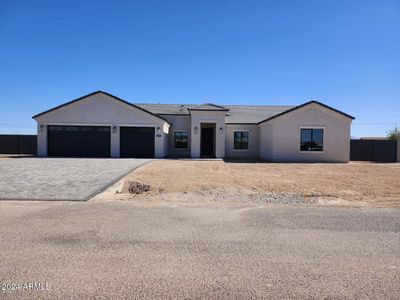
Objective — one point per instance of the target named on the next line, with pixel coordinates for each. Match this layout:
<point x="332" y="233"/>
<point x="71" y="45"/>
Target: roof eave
<point x="303" y="105"/>
<point x="65" y="104"/>
<point x="105" y="93"/>
<point x="199" y="109"/>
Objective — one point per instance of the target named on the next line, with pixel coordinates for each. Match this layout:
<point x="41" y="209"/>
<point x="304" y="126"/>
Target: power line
<point x="377" y="123"/>
<point x="20" y="99"/>
<point x="15" y="125"/>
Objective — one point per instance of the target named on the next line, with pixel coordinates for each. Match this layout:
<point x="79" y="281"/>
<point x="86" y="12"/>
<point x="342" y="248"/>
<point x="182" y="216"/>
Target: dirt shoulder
<point x="219" y="181"/>
<point x="8" y="156"/>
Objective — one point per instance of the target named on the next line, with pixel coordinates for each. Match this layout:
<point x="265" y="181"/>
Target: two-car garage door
<point x="79" y="141"/>
<point x="95" y="141"/>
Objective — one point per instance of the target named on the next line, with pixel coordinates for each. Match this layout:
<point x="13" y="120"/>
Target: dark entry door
<point x="137" y="142"/>
<point x="78" y="141"/>
<point x="207" y="142"/>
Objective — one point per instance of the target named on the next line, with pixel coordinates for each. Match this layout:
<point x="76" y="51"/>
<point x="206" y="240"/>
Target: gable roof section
<point x="208" y="107"/>
<point x="305" y="104"/>
<point x="107" y="94"/>
<point x="237" y="114"/>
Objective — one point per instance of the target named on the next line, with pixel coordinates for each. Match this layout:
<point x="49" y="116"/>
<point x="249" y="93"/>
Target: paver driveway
<point x="60" y="178"/>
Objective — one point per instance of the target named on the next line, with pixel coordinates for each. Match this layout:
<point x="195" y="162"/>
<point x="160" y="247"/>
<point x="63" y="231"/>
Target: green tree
<point x="393" y="134"/>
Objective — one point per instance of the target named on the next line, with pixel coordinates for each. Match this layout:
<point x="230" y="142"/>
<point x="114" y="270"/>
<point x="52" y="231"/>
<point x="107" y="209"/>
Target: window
<point x="241" y="140"/>
<point x="312" y="140"/>
<point x="181" y="139"/>
<point x="71" y="128"/>
<point x="56" y="128"/>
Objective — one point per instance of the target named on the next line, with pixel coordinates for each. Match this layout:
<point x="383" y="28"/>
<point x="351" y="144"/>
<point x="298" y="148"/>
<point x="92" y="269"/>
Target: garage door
<point x="79" y="141"/>
<point x="137" y="142"/>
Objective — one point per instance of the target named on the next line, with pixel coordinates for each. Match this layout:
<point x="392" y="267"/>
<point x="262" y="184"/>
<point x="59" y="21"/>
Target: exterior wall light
<point x="158" y="130"/>
<point x="220" y="130"/>
<point x="196" y="129"/>
<point x="114" y="129"/>
<point x="41" y="127"/>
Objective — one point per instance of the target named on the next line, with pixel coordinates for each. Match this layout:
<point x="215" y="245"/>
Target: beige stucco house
<point x="103" y="125"/>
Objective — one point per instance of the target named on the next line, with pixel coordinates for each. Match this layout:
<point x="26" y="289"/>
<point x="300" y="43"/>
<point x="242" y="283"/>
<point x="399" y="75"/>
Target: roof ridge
<point x="225" y="105"/>
<point x="263" y="105"/>
<point x="153" y="103"/>
<point x="215" y="105"/>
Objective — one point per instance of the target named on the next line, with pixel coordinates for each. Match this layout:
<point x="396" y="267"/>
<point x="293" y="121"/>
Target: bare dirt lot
<point x="188" y="181"/>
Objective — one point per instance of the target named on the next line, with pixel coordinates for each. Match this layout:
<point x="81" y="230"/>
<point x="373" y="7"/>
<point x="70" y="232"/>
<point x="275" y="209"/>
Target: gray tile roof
<point x="208" y="106"/>
<point x="236" y="113"/>
<point x="166" y="109"/>
<point x="253" y="114"/>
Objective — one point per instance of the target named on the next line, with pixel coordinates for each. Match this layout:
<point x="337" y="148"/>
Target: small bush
<point x="393" y="134"/>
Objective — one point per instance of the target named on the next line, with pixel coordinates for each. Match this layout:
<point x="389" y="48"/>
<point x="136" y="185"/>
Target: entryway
<point x="207" y="140"/>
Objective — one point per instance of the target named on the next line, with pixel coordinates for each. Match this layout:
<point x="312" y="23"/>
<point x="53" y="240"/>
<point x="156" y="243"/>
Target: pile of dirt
<point x="136" y="187"/>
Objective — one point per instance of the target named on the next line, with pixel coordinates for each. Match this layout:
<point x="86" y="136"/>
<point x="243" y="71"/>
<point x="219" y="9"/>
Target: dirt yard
<point x="189" y="181"/>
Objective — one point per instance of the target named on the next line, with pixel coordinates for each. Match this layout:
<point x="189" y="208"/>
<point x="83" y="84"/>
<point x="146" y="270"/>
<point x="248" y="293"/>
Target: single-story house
<point x="102" y="125"/>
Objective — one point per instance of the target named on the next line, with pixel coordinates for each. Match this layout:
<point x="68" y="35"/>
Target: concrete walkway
<point x="60" y="178"/>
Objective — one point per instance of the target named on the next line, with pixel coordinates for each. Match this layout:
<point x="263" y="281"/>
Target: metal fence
<point x="18" y="144"/>
<point x="373" y="150"/>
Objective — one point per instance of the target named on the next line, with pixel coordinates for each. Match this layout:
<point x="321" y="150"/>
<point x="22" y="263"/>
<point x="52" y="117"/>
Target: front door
<point x="207" y="142"/>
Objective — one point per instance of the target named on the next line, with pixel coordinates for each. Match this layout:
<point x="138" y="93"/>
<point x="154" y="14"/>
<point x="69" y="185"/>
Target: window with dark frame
<point x="312" y="140"/>
<point x="181" y="139"/>
<point x="241" y="140"/>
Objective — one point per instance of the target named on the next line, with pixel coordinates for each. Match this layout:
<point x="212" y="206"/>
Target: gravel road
<point x="122" y="250"/>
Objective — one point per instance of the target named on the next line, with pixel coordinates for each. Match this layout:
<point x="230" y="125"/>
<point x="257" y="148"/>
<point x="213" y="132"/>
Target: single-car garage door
<point x="137" y="142"/>
<point x="78" y="141"/>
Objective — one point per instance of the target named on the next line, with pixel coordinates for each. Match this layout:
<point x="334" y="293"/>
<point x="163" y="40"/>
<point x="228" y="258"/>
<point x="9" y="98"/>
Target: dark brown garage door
<point x="137" y="142"/>
<point x="78" y="141"/>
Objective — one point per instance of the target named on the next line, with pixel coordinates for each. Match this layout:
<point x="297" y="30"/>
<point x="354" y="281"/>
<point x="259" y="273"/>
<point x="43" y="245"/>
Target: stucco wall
<point x="100" y="109"/>
<point x="252" y="152"/>
<point x="179" y="123"/>
<point x="266" y="138"/>
<point x="216" y="117"/>
<point x="284" y="134"/>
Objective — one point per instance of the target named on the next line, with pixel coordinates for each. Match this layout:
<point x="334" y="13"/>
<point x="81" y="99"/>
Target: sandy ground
<point x="213" y="181"/>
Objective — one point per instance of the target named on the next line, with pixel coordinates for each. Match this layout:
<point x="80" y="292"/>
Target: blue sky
<point x="343" y="53"/>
